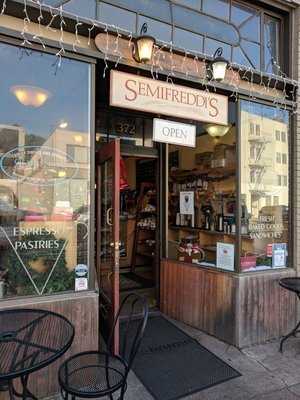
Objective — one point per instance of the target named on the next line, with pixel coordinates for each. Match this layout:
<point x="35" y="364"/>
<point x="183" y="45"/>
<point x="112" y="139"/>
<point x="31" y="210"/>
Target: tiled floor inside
<point x="266" y="373"/>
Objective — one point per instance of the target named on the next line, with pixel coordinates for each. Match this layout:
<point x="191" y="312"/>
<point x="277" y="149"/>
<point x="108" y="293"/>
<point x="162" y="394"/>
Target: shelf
<point x="146" y="229"/>
<point x="144" y="254"/>
<point x="219" y="171"/>
<point x="217" y="233"/>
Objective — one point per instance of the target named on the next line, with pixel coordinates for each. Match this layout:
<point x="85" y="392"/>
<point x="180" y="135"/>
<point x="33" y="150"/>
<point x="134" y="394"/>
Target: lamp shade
<point x="144" y="48"/>
<point x="216" y="131"/>
<point x="30" y="95"/>
<point x="219" y="67"/>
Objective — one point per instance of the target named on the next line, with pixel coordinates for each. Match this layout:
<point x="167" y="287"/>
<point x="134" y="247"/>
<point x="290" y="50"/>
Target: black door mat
<point x="172" y="364"/>
<point x="132" y="281"/>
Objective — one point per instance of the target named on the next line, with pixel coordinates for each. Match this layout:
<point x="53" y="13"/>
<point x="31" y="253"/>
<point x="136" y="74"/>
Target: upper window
<point x="249" y="35"/>
<point x="44" y="173"/>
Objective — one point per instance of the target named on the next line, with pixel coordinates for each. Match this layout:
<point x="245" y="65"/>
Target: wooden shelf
<point x="219" y="172"/>
<point x="217" y="233"/>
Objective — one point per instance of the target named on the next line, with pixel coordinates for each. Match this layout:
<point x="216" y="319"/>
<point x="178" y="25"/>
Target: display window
<point x="44" y="173"/>
<point x="228" y="214"/>
<point x="202" y="197"/>
<point x="265" y="170"/>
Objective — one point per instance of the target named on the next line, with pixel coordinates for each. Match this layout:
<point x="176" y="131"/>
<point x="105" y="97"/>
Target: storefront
<point x="119" y="176"/>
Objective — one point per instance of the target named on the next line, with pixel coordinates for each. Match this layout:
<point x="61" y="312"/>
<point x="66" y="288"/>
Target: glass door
<point x="107" y="241"/>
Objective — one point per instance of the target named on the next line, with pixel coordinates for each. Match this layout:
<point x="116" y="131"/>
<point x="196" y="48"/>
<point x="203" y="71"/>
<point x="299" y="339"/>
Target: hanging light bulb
<point x="219" y="65"/>
<point x="30" y="95"/>
<point x="144" y="45"/>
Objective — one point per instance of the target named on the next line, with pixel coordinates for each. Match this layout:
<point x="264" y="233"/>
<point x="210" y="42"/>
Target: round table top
<point x="292" y="284"/>
<point x="30" y="340"/>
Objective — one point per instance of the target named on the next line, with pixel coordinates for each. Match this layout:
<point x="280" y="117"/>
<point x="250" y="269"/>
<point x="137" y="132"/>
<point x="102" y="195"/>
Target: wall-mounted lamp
<point x="218" y="65"/>
<point x="144" y="45"/>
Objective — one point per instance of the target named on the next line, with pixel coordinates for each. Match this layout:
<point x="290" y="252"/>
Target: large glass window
<point x="44" y="173"/>
<point x="202" y="198"/>
<point x="264" y="187"/>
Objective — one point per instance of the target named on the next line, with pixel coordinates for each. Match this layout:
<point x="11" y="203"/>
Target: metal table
<point x="293" y="285"/>
<point x="29" y="341"/>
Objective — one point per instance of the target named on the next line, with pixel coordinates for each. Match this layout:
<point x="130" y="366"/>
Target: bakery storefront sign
<point x="150" y="95"/>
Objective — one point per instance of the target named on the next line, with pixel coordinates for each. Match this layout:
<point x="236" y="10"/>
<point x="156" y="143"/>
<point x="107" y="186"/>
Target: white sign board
<point x="225" y="256"/>
<point x="174" y="132"/>
<point x="187" y="203"/>
<point x="158" y="97"/>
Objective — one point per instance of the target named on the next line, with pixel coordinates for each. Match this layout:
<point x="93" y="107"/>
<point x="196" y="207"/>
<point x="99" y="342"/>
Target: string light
<point x="235" y="68"/>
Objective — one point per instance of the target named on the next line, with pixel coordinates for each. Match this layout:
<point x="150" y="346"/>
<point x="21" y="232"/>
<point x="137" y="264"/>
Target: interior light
<point x="78" y="138"/>
<point x="144" y="46"/>
<point x="219" y="65"/>
<point x="61" y="174"/>
<point x="216" y="131"/>
<point x="30" y="95"/>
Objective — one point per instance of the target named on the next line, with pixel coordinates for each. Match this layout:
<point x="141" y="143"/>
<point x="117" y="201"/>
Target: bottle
<point x="220" y="223"/>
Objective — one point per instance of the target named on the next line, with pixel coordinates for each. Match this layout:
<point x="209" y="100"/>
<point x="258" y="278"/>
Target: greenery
<point x="18" y="281"/>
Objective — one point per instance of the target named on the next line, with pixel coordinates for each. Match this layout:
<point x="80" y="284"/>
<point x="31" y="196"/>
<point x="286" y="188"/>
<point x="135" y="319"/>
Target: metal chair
<point x="95" y="374"/>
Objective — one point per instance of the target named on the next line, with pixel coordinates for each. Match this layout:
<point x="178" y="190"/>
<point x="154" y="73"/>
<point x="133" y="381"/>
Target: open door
<point x="107" y="235"/>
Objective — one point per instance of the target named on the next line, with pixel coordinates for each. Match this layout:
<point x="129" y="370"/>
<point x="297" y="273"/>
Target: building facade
<point x="101" y="193"/>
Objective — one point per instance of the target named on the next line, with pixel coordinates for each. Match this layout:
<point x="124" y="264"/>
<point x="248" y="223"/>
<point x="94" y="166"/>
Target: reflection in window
<point x="44" y="172"/>
<point x="264" y="226"/>
<point x="271" y="40"/>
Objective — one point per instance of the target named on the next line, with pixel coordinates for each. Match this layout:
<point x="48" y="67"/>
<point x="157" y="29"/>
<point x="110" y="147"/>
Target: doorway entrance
<point x="127" y="234"/>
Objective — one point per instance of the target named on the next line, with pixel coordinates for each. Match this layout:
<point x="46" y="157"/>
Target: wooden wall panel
<point x="266" y="311"/>
<point x="82" y="310"/>
<point x="240" y="309"/>
<point x="199" y="297"/>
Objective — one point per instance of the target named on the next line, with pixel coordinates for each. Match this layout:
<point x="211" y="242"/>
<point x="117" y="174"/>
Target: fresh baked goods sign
<point x="158" y="97"/>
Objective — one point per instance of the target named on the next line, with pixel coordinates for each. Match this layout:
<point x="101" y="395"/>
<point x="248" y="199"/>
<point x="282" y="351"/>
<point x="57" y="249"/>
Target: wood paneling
<point x="240" y="309"/>
<point x="202" y="298"/>
<point x="266" y="311"/>
<point x="82" y="310"/>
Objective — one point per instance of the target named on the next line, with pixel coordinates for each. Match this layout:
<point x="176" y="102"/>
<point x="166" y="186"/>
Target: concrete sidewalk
<point x="266" y="373"/>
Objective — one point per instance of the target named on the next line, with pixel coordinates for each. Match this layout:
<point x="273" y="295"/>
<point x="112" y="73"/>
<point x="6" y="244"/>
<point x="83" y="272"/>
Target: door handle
<point x="109" y="217"/>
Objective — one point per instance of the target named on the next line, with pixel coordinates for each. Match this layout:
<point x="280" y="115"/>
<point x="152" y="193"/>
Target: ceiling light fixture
<point x="30" y="95"/>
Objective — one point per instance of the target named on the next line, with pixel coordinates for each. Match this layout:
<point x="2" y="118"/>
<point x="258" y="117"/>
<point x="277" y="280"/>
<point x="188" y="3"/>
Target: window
<point x="268" y="201"/>
<point x="248" y="34"/>
<point x="251" y="128"/>
<point x="44" y="193"/>
<point x="278" y="158"/>
<point x="79" y="154"/>
<point x="279" y="181"/>
<point x="284" y="158"/>
<point x="257" y="130"/>
<point x="198" y="222"/>
<point x="264" y="186"/>
<point x="276" y="200"/>
<point x="252" y="151"/>
<point x="271" y="41"/>
<point x="283" y="137"/>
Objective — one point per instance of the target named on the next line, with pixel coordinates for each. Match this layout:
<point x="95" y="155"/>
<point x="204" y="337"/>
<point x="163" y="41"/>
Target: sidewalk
<point x="266" y="373"/>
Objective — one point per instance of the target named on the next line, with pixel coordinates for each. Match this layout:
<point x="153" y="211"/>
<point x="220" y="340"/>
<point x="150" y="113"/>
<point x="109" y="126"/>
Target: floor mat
<point x="172" y="364"/>
<point x="131" y="281"/>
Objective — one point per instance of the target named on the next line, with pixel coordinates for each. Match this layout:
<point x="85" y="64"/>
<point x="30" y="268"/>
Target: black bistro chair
<point x="94" y="374"/>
